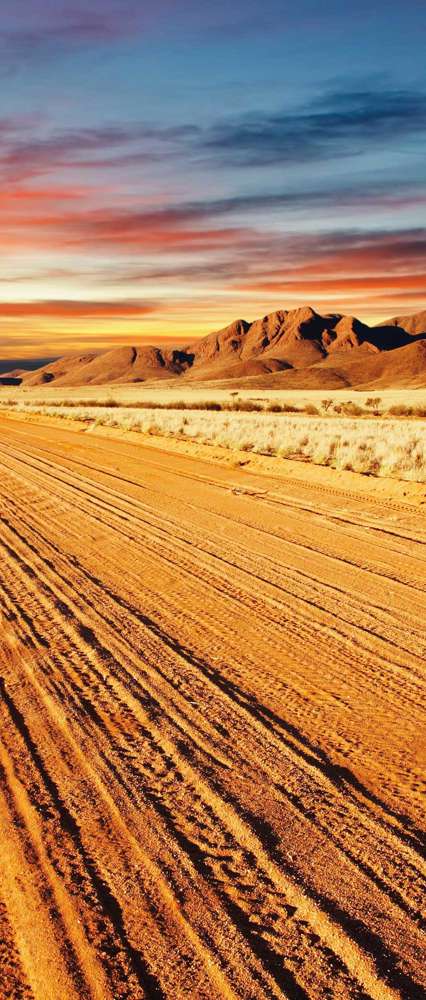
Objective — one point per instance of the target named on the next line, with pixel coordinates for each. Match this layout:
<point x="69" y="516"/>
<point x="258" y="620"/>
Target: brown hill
<point x="304" y="349"/>
<point x="400" y="368"/>
<point x="122" y="364"/>
<point x="297" y="347"/>
<point x="404" y="367"/>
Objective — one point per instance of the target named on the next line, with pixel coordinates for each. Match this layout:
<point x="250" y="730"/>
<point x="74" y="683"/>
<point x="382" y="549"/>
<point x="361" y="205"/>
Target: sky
<point x="168" y="167"/>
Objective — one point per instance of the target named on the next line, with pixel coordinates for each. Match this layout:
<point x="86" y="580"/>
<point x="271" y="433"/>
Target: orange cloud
<point x="76" y="309"/>
<point x="36" y="196"/>
<point x="71" y="230"/>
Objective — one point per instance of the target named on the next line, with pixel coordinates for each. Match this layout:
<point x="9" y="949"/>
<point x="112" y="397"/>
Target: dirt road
<point x="210" y="712"/>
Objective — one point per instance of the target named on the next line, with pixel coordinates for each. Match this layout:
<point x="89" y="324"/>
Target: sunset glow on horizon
<point x="167" y="168"/>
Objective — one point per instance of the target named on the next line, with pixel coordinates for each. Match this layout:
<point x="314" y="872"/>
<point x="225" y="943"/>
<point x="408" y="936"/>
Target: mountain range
<point x="297" y="348"/>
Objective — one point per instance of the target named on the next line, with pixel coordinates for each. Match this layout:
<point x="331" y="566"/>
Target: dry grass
<point x="340" y="442"/>
<point x="372" y="406"/>
<point x="232" y="406"/>
<point x="174" y="392"/>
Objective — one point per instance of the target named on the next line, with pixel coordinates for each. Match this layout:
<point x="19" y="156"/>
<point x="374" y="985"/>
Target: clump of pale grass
<point x="341" y="443"/>
<point x="401" y="410"/>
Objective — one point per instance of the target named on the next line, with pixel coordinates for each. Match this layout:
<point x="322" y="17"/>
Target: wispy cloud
<point x="338" y="265"/>
<point x="47" y="28"/>
<point x="334" y="125"/>
<point x="339" y="123"/>
<point x="28" y="152"/>
<point x="44" y="29"/>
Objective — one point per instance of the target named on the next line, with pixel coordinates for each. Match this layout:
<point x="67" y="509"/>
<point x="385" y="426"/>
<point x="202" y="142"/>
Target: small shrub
<point x="351" y="409"/>
<point x="311" y="410"/>
<point x="400" y="410"/>
<point x="289" y="408"/>
<point x="246" y="406"/>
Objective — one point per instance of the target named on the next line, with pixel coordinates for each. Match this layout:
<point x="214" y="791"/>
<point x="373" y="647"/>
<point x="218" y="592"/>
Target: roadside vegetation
<point x="372" y="407"/>
<point x="344" y="442"/>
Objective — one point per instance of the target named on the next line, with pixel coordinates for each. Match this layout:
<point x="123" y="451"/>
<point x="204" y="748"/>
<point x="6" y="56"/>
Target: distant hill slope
<point x="294" y="348"/>
<point x="123" y="364"/>
<point x="415" y="324"/>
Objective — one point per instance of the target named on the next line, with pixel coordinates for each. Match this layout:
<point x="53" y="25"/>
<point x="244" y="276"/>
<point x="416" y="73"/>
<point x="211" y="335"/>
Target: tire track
<point x="163" y="729"/>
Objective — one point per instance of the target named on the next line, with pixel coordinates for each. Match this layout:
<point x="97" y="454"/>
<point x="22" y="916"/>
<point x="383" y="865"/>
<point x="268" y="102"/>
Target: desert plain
<point x="211" y="701"/>
<point x="212" y="656"/>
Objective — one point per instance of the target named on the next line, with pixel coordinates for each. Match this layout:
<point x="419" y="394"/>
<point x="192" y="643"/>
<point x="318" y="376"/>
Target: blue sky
<point x="167" y="167"/>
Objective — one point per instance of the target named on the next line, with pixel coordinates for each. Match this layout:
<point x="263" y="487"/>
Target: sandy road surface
<point x="210" y="713"/>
